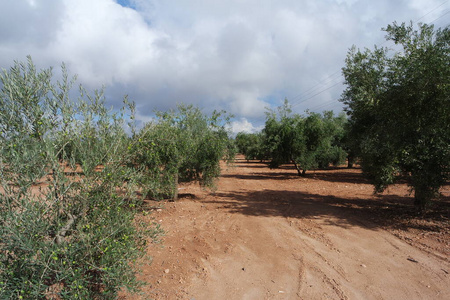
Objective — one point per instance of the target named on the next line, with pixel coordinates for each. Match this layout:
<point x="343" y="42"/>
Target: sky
<point x="241" y="56"/>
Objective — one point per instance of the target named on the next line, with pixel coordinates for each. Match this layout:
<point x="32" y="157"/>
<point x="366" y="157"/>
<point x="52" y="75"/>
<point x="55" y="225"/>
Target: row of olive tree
<point x="71" y="179"/>
<point x="179" y="146"/>
<point x="308" y="142"/>
<point x="399" y="108"/>
<point x="67" y="198"/>
<point x="251" y="145"/>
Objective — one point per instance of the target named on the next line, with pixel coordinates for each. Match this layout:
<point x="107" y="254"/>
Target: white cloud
<point x="235" y="55"/>
<point x="243" y="125"/>
<point x="104" y="42"/>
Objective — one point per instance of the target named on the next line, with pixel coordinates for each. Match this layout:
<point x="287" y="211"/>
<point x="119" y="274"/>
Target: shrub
<point x="67" y="201"/>
<point x="183" y="145"/>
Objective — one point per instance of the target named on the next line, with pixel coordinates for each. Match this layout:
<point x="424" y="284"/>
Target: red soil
<point x="269" y="234"/>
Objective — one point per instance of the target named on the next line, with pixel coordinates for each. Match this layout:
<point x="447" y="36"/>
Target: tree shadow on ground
<point x="332" y="174"/>
<point x="343" y="176"/>
<point x="382" y="211"/>
<point x="376" y="211"/>
<point x="252" y="165"/>
<point x="262" y="176"/>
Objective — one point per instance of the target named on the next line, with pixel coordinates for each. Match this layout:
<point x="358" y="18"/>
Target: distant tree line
<point x="308" y="142"/>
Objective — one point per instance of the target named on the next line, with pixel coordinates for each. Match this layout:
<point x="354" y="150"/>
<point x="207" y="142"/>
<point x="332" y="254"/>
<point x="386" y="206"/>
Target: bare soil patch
<point x="270" y="234"/>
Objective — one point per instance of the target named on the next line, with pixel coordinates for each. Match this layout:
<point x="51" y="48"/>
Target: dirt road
<point x="269" y="234"/>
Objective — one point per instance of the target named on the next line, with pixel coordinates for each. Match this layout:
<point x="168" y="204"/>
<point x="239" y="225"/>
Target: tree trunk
<point x="350" y="160"/>
<point x="299" y="170"/>
<point x="423" y="196"/>
<point x="175" y="191"/>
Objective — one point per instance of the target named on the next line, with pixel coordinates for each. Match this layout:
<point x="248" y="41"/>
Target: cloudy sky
<point x="238" y="55"/>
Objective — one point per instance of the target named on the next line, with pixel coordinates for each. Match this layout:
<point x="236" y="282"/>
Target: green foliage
<point x="308" y="142"/>
<point x="399" y="109"/>
<point x="332" y="150"/>
<point x="67" y="215"/>
<point x="183" y="145"/>
<point x="322" y="136"/>
<point x="284" y="136"/>
<point x="251" y="145"/>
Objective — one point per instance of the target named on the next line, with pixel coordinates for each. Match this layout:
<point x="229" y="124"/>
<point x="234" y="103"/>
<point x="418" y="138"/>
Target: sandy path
<point x="268" y="234"/>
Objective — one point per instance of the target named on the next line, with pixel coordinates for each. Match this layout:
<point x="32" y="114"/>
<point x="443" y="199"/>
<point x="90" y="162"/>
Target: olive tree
<point x="182" y="145"/>
<point x="308" y="142"/>
<point x="251" y="145"/>
<point x="67" y="224"/>
<point x="284" y="137"/>
<point x="323" y="134"/>
<point x="398" y="102"/>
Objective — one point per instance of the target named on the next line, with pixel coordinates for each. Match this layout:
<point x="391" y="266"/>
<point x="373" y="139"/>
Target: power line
<point x="431" y="12"/>
<point x="308" y="94"/>
<point x="322" y="91"/>
<point x="310" y="90"/>
<point x="323" y="105"/>
<point x="446" y="13"/>
<point x="315" y="90"/>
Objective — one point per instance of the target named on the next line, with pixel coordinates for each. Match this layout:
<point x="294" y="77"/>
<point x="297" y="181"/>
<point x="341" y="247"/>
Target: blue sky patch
<point x="125" y="3"/>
